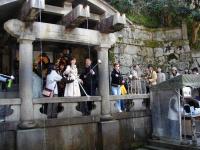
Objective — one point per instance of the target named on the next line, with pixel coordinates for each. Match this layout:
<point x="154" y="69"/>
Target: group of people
<point x="63" y="80"/>
<point x="150" y="76"/>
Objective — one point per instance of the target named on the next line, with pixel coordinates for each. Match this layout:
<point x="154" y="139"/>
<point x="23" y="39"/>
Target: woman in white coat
<point x="72" y="89"/>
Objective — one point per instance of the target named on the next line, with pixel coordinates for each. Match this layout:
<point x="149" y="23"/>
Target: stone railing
<point x="71" y="106"/>
<point x="132" y="102"/>
<point x="10" y="108"/>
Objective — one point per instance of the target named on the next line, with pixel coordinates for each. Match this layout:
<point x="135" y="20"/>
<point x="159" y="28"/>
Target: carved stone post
<point x="25" y="80"/>
<point x="104" y="82"/>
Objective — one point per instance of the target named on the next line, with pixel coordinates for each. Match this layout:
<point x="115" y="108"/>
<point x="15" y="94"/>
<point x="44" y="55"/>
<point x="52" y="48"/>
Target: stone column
<point x="104" y="82"/>
<point x="184" y="30"/>
<point x="25" y="80"/>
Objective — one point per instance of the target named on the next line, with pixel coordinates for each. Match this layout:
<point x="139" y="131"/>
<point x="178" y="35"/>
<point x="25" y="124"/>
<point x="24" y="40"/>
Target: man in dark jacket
<point x="89" y="78"/>
<point x="116" y="83"/>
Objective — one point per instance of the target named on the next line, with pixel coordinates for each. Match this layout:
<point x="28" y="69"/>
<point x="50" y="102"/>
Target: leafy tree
<point x="158" y="13"/>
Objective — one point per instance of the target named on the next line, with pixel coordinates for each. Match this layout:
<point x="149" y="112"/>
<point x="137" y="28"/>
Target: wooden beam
<point x="76" y="16"/>
<point x="94" y="17"/>
<point x="31" y="9"/>
<point x="49" y="9"/>
<point x="112" y="24"/>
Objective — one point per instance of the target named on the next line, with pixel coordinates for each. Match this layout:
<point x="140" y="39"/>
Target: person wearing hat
<point x="174" y="73"/>
<point x="152" y="78"/>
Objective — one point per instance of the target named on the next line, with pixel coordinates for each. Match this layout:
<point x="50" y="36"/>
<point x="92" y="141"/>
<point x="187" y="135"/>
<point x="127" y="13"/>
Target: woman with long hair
<point x="72" y="89"/>
<point x="61" y="84"/>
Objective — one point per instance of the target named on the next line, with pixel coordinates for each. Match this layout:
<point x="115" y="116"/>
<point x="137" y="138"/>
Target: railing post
<point x="104" y="82"/>
<point x="25" y="80"/>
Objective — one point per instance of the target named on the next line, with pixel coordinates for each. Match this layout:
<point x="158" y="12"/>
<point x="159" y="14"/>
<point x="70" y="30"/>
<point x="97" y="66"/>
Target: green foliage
<point x="123" y="6"/>
<point x="145" y="20"/>
<point x="111" y="55"/>
<point x="195" y="46"/>
<point x="158" y="13"/>
<point x="195" y="14"/>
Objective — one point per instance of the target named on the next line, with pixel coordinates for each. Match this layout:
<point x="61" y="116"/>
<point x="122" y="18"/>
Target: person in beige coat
<point x="72" y="89"/>
<point x="152" y="76"/>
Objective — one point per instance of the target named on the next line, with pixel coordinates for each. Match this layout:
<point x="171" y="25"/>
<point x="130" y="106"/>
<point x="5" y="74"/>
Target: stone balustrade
<point x="71" y="105"/>
<point x="10" y="109"/>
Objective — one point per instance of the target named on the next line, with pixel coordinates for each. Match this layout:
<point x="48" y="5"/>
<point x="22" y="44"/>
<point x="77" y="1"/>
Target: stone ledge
<point x="14" y="101"/>
<point x="66" y="99"/>
<point x="6" y="126"/>
<point x="135" y="114"/>
<point x="129" y="96"/>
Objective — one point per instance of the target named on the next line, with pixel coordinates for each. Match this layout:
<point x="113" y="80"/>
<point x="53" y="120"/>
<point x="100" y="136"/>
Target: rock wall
<point x="161" y="47"/>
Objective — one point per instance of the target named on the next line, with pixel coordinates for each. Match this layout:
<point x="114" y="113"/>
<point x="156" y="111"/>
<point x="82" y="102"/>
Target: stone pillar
<point x="184" y="30"/>
<point x="25" y="80"/>
<point x="104" y="82"/>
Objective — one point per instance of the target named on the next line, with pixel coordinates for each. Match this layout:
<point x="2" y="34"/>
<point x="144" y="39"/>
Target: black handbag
<point x="67" y="80"/>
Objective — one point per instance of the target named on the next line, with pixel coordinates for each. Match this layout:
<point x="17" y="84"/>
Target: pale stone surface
<point x="76" y="16"/>
<point x="142" y="34"/>
<point x="97" y="109"/>
<point x="37" y="113"/>
<point x="182" y="65"/>
<point x="161" y="60"/>
<point x="125" y="59"/>
<point x="138" y="105"/>
<point x="168" y="41"/>
<point x="186" y="48"/>
<point x="102" y="54"/>
<point x="158" y="52"/>
<point x="52" y="32"/>
<point x="69" y="111"/>
<point x="195" y="54"/>
<point x="184" y="30"/>
<point x="185" y="57"/>
<point x="148" y="51"/>
<point x="132" y="49"/>
<point x="167" y="35"/>
<point x="25" y="80"/>
<point x="16" y="114"/>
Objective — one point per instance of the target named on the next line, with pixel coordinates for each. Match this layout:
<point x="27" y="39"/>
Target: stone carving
<point x="5" y="111"/>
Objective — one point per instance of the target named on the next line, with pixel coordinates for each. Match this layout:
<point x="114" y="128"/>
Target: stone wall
<point x="160" y="47"/>
<point x="124" y="133"/>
